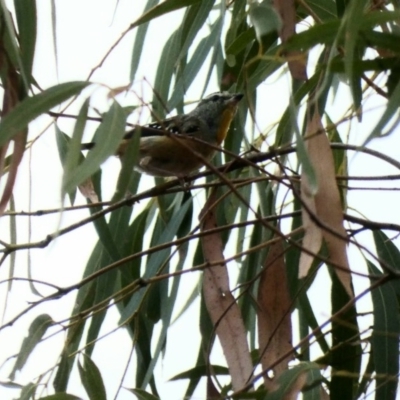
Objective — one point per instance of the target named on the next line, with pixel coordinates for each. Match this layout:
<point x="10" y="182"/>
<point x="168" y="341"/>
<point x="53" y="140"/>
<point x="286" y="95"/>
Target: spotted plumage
<point x="167" y="147"/>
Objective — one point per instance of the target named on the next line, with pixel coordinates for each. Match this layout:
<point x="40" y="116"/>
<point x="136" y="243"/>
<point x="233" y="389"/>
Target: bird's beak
<point x="234" y="100"/>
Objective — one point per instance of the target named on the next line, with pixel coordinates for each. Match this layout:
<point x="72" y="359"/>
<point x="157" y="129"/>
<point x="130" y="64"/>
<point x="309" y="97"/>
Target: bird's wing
<point x="176" y="125"/>
<point x="171" y="125"/>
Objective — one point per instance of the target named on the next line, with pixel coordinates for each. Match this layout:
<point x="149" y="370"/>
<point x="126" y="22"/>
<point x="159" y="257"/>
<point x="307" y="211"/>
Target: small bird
<point x="167" y="148"/>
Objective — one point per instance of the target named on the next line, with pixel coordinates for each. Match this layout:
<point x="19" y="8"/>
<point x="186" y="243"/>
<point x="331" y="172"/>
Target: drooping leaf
<point x="92" y="380"/>
<point x="385" y="338"/>
<point x="139" y="41"/>
<point x="36" y="332"/>
<point x="31" y="107"/>
<point x="264" y="19"/>
<point x="107" y="138"/>
<point x="27" y="25"/>
<point x="165" y="7"/>
<point x="292" y="381"/>
<point x="143" y="395"/>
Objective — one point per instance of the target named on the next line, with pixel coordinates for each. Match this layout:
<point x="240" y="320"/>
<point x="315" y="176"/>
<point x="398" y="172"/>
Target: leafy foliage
<point x="270" y="232"/>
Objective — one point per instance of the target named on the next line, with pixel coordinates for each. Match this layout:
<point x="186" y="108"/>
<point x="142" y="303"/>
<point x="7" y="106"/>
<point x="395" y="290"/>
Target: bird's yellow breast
<point x="224" y="124"/>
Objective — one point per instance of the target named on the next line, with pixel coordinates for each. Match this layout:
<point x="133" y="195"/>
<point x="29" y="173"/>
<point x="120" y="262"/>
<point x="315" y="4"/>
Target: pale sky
<point x="85" y="31"/>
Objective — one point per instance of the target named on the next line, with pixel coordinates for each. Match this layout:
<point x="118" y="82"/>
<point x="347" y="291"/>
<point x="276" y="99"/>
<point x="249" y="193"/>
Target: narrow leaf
<point x="92" y="380"/>
<point x="264" y="19"/>
<point x="351" y="26"/>
<point x="194" y="66"/>
<point x="35" y="334"/>
<point x="201" y="371"/>
<point x="107" y="137"/>
<point x="61" y="396"/>
<point x="156" y="260"/>
<point x="307" y="168"/>
<point x="292" y="381"/>
<point x="392" y="108"/>
<point x="385" y="338"/>
<point x="139" y="41"/>
<point x="389" y="253"/>
<point x="27" y="392"/>
<point x="165" y="7"/>
<point x="27" y="23"/>
<point x="14" y="52"/>
<point x="74" y="155"/>
<point x="128" y="179"/>
<point x="31" y="107"/>
<point x="143" y="395"/>
<point x="63" y="141"/>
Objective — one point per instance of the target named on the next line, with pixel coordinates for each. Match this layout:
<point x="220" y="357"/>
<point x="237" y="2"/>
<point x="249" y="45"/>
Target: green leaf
<point x="389" y="253"/>
<point x="54" y="31"/>
<point x="61" y="396"/>
<point x="194" y="65"/>
<point x="108" y="136"/>
<point x="128" y="178"/>
<point x="144" y="354"/>
<point x="168" y="296"/>
<point x="195" y="17"/>
<point x="10" y="44"/>
<point x="289" y="377"/>
<point x="143" y="395"/>
<point x="341" y="6"/>
<point x="139" y="41"/>
<point x="164" y="74"/>
<point x="217" y="59"/>
<point x="307" y="313"/>
<point x="350" y="29"/>
<point x="36" y="331"/>
<point x="13" y="241"/>
<point x="313" y="385"/>
<point x="303" y="157"/>
<point x="156" y="260"/>
<point x="339" y="158"/>
<point x="345" y="352"/>
<point x="31" y="107"/>
<point x="241" y="42"/>
<point x="266" y="67"/>
<point x="132" y="244"/>
<point x="26" y="14"/>
<point x="386" y="249"/>
<point x="385" y="338"/>
<point x="92" y="380"/>
<point x="371" y="19"/>
<point x="74" y="155"/>
<point x="63" y="142"/>
<point x="381" y="40"/>
<point x="28" y="391"/>
<point x="201" y="371"/>
<point x="264" y="18"/>
<point x="360" y="66"/>
<point x="105" y="285"/>
<point x="85" y="299"/>
<point x="325" y="33"/>
<point x="284" y="134"/>
<point x="165" y="7"/>
<point x="392" y="107"/>
<point x="324" y="9"/>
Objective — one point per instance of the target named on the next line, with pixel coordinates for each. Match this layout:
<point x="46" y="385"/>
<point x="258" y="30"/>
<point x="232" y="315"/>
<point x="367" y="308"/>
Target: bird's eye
<point x="215" y="98"/>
